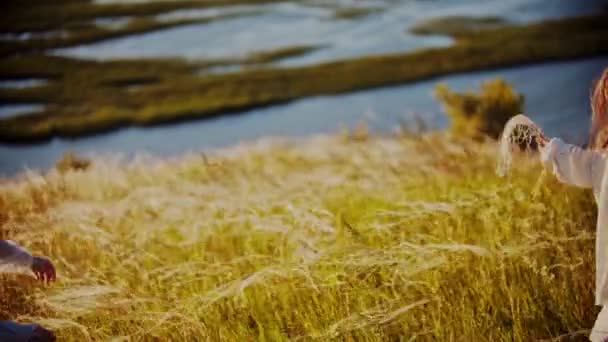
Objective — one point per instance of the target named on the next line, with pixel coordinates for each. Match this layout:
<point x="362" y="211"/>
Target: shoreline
<point x="176" y="95"/>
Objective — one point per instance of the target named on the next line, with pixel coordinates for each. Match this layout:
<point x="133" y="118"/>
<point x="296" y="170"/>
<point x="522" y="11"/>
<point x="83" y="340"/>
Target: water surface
<point x="22" y="83"/>
<point x="10" y="110"/>
<point x="313" y="23"/>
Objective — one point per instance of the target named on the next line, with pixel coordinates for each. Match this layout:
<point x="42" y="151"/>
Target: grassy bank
<point x="81" y="102"/>
<point x="353" y="239"/>
<point x="456" y="26"/>
<point x="355" y="12"/>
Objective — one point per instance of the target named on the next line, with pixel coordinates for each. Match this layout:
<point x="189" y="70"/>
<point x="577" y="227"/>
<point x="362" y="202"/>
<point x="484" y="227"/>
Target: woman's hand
<point x="43" y="269"/>
<point x="541" y="140"/>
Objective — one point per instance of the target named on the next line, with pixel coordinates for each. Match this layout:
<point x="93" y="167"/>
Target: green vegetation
<point x="72" y="162"/>
<point x="259" y="58"/>
<point x="457" y="25"/>
<point x="329" y="238"/>
<point x="82" y="102"/>
<point x="280" y="53"/>
<point x="354" y="12"/>
<point x="480" y="114"/>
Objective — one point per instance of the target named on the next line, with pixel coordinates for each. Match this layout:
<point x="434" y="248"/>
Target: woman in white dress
<point x="586" y="168"/>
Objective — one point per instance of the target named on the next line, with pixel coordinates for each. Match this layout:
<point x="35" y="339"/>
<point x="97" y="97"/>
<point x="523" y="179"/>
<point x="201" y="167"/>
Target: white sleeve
<point x="13" y="256"/>
<point x="570" y="164"/>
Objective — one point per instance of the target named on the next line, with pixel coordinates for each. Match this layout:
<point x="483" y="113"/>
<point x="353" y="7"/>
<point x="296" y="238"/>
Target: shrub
<point x="71" y="161"/>
<point x="480" y="114"/>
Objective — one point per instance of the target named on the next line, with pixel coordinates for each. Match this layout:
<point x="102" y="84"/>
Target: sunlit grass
<point x="381" y="238"/>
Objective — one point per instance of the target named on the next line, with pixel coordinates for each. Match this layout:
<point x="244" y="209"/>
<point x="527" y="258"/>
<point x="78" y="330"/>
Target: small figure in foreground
<point x="14" y="258"/>
<point x="586" y="168"/>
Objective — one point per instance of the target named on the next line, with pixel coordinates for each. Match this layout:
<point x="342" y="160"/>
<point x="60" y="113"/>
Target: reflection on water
<point x="556" y="97"/>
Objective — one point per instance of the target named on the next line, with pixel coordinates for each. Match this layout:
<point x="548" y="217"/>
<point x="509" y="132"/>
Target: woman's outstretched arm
<point x="571" y="164"/>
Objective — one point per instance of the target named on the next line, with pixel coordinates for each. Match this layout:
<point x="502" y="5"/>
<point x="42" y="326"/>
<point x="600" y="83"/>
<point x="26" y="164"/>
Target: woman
<point x="586" y="168"/>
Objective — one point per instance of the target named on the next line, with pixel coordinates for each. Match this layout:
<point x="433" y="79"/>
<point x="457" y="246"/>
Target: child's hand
<point x="43" y="269"/>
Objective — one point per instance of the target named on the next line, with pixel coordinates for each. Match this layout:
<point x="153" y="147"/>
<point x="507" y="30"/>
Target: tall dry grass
<point x="385" y="238"/>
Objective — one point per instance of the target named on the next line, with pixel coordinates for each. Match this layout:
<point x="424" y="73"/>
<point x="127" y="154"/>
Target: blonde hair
<point x="598" y="136"/>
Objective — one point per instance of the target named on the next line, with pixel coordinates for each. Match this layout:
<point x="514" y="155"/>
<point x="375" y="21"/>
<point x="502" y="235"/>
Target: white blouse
<point x="586" y="169"/>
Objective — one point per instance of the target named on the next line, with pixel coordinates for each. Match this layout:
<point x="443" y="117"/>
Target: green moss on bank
<point x="354" y="12"/>
<point x="280" y="53"/>
<point x="81" y="105"/>
<point x="457" y="25"/>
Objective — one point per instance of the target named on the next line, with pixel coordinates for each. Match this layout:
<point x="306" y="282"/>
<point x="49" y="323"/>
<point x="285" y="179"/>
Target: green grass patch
<point x="355" y="12"/>
<point x="328" y="238"/>
<point x="81" y="105"/>
<point x="457" y="25"/>
<point x="260" y="58"/>
<point x="274" y="55"/>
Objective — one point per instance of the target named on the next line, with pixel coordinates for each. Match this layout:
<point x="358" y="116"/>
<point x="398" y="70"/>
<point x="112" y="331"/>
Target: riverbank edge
<point x="209" y="96"/>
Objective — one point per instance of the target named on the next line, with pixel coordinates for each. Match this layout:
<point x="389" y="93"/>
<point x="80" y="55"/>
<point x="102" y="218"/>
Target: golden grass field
<point x="341" y="237"/>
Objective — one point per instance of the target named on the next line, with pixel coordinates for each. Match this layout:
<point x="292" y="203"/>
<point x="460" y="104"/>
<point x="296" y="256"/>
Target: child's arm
<point x="13" y="256"/>
<point x="570" y="164"/>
